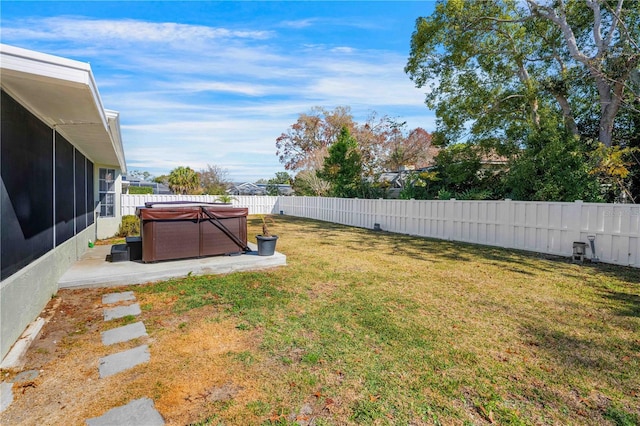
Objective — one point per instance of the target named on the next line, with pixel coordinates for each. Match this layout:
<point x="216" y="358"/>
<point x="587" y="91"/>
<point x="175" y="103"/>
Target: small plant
<point x="225" y="198"/>
<point x="130" y="226"/>
<point x="266" y="220"/>
<point x="443" y="194"/>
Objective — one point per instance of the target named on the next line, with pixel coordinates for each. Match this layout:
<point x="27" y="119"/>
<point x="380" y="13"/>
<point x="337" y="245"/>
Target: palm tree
<point x="183" y="180"/>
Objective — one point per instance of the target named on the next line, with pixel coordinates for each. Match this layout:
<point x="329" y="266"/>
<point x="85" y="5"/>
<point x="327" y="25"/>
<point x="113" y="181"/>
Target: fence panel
<point x="543" y="227"/>
<point x="255" y="204"/>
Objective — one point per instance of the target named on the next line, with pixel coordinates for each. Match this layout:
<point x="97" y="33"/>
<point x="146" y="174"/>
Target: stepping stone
<point x="121" y="311"/>
<point x="6" y="395"/>
<point x="124" y="334"/>
<point x="26" y="376"/>
<point x="113" y="364"/>
<point x="137" y="412"/>
<point x="107" y="299"/>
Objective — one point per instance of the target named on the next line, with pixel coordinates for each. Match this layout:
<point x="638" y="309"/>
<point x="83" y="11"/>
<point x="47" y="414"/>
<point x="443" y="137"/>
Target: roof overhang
<point x="63" y="94"/>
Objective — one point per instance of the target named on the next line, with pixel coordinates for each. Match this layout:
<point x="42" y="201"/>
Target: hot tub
<point x="186" y="230"/>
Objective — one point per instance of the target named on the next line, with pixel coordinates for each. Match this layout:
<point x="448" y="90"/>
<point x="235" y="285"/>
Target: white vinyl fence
<point x="255" y="204"/>
<point x="542" y="227"/>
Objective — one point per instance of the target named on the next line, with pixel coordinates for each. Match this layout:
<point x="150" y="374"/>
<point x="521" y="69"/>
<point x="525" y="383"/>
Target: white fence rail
<point x="255" y="204"/>
<point x="542" y="227"/>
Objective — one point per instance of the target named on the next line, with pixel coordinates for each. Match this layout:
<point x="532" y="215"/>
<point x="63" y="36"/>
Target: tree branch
<point x="597" y="24"/>
<point x="614" y="23"/>
<point x="561" y="21"/>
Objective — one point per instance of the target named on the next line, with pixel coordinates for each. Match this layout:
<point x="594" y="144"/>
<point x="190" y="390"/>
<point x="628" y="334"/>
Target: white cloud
<point x="132" y="31"/>
<point x="299" y="24"/>
<point x="192" y="95"/>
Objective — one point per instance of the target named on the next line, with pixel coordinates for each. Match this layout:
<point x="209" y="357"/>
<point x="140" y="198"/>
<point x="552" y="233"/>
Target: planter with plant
<point x="266" y="241"/>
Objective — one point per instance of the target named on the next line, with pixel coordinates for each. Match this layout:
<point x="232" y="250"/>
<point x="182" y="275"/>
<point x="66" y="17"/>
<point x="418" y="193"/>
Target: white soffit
<point x="63" y="94"/>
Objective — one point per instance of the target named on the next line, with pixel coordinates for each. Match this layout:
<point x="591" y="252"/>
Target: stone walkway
<point x="139" y="411"/>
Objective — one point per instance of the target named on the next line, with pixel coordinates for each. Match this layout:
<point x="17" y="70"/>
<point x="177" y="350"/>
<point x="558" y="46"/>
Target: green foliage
<point x="418" y="185"/>
<point x="163" y="179"/>
<point x="130" y="226"/>
<point x="554" y="166"/>
<point x="616" y="168"/>
<point x="458" y="168"/>
<point x="184" y="180"/>
<point x="140" y="190"/>
<point x="343" y="167"/>
<point x="444" y="194"/>
<point x="458" y="173"/>
<point x="512" y="75"/>
<point x="281" y="178"/>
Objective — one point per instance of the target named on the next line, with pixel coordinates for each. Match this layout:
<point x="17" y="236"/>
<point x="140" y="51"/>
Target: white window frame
<point x="107" y="192"/>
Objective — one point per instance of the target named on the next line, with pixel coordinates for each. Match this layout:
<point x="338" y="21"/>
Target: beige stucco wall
<point x="25" y="294"/>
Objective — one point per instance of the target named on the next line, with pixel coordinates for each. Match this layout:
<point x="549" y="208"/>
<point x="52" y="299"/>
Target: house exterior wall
<point x="48" y="197"/>
<point x="25" y="293"/>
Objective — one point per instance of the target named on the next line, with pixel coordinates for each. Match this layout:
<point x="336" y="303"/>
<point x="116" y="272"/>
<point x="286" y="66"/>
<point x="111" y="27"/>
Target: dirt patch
<point x="198" y="363"/>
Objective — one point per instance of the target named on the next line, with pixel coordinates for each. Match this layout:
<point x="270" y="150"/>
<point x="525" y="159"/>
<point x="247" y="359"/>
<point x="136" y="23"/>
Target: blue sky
<point x="200" y="83"/>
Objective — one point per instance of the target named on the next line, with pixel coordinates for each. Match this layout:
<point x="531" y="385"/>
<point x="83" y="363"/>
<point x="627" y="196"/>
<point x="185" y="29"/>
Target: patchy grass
<point x="365" y="327"/>
<point x="377" y="328"/>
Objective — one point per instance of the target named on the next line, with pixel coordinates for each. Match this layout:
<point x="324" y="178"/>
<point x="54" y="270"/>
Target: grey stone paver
<point x="26" y="376"/>
<point x="6" y="395"/>
<point x="137" y="412"/>
<point x="115" y="363"/>
<point x="124" y="333"/>
<point x="121" y="311"/>
<point x="125" y="296"/>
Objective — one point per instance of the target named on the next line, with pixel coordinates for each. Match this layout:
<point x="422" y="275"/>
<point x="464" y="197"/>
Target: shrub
<point x="130" y="226"/>
<point x="136" y="190"/>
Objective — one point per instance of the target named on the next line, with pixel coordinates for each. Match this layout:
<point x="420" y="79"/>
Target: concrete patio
<point x="92" y="270"/>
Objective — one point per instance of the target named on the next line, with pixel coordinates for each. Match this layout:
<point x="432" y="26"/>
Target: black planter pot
<point x="266" y="245"/>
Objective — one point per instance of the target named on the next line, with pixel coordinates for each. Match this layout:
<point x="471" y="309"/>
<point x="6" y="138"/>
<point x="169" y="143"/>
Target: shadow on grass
<point x="629" y="303"/>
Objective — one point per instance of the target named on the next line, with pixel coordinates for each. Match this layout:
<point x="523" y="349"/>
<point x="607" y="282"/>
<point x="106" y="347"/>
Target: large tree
<point x="213" y="180"/>
<point x="384" y="143"/>
<point x="305" y="143"/>
<point x="343" y="167"/>
<point x="491" y="67"/>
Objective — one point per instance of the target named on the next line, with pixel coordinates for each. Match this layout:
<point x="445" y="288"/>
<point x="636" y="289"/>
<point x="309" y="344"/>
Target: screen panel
<point x="26" y="151"/>
<point x="81" y="192"/>
<point x="64" y="190"/>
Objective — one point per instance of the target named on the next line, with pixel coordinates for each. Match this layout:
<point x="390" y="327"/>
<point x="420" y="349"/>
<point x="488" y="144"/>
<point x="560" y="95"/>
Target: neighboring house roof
<point x="245" y="188"/>
<point x="63" y="93"/>
<point x="283" y="189"/>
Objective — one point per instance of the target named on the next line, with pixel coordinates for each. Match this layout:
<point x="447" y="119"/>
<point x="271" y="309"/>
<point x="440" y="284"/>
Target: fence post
<point x="575" y="225"/>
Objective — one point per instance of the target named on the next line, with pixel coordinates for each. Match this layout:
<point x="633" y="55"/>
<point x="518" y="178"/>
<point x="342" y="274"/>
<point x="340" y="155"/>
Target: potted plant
<point x="266" y="241"/>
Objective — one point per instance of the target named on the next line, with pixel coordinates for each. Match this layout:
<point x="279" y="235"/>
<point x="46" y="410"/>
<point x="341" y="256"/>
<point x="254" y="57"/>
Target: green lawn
<point x="364" y="327"/>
